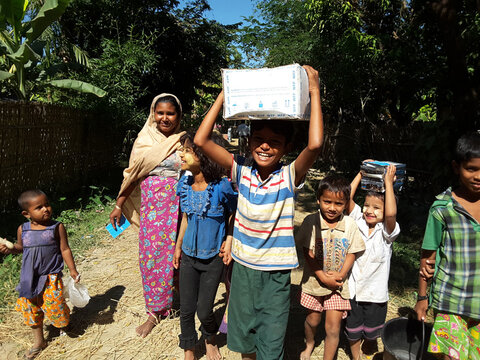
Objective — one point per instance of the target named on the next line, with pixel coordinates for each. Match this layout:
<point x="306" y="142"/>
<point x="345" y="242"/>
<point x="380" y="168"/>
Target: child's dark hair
<point x="468" y="147"/>
<point x="280" y="127"/>
<point x="380" y="195"/>
<point x="376" y="194"/>
<point x="336" y="184"/>
<point x="170" y="100"/>
<point x="210" y="169"/>
<point x="26" y="196"/>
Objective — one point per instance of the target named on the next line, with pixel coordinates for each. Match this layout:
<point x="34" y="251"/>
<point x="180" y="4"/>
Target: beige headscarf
<point x="150" y="148"/>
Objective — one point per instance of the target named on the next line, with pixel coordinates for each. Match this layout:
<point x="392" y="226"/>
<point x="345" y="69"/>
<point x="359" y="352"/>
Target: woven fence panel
<point x="50" y="147"/>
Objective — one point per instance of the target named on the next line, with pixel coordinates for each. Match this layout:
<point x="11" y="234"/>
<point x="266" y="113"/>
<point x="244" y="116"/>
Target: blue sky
<point x="228" y="11"/>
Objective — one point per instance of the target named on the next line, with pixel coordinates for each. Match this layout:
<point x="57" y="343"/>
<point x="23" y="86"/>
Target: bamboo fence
<point x="51" y="147"/>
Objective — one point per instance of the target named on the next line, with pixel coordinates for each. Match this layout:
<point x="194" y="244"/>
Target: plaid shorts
<point x="322" y="303"/>
<point x="49" y="303"/>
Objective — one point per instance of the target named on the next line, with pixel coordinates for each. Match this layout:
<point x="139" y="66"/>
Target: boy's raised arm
<point x="353" y="189"/>
<point x="315" y="131"/>
<point x="390" y="202"/>
<point x="202" y="138"/>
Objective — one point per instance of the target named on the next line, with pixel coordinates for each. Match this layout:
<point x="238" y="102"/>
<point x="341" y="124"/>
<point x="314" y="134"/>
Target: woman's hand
<point x="176" y="257"/>
<point x="115" y="216"/>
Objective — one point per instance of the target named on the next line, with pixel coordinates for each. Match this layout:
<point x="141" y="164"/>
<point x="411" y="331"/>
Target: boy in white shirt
<point x="368" y="281"/>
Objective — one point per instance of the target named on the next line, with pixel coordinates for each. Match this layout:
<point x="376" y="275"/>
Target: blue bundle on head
<point x="373" y="173"/>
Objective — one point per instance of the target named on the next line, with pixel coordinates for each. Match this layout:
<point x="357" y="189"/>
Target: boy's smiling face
<point x="267" y="149"/>
<point x="469" y="175"/>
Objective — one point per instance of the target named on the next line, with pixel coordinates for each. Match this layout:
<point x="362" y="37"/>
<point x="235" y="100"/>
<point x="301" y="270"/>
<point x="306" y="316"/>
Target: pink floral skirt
<point x="158" y="233"/>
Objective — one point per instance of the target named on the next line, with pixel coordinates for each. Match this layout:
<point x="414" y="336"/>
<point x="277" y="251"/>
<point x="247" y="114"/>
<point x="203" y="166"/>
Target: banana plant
<point x="22" y="48"/>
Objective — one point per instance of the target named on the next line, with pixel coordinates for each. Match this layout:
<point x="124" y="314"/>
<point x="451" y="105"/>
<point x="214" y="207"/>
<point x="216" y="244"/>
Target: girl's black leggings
<point x="199" y="279"/>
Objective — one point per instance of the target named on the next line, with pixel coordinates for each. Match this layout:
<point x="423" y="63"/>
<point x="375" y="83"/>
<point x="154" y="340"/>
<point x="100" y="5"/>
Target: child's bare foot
<point x="212" y="349"/>
<point x="305" y="354"/>
<point x="145" y="329"/>
<point x="190" y="354"/>
<point x="309" y="341"/>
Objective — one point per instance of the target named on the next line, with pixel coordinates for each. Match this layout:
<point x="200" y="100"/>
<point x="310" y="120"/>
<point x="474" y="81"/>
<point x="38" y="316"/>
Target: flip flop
<point x="33" y="353"/>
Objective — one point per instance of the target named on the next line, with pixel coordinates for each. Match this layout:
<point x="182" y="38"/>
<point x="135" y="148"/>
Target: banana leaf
<point x="7" y="41"/>
<point x="24" y="54"/>
<point x="78" y="86"/>
<point x="49" y="12"/>
<point x="4" y="75"/>
<point x="12" y="11"/>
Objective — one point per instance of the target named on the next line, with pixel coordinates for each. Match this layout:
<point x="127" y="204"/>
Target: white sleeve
<point x="356" y="213"/>
<point x="389" y="238"/>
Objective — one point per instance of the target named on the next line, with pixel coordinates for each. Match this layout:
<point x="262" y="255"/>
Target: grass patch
<point x="84" y="219"/>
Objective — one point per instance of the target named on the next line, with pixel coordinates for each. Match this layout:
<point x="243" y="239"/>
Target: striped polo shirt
<point x="263" y="233"/>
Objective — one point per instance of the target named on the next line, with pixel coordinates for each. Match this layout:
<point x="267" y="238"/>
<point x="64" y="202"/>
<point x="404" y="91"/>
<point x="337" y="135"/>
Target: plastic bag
<point x="76" y="292"/>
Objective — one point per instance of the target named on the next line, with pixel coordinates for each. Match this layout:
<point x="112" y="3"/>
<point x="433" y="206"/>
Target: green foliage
<point x="146" y="47"/>
<point x="425" y="113"/>
<point x="378" y="60"/>
<point x="383" y="61"/>
<point x="22" y="49"/>
<point x="277" y="34"/>
<point x="10" y="276"/>
<point x="120" y="70"/>
<point x="205" y="97"/>
<point x="405" y="262"/>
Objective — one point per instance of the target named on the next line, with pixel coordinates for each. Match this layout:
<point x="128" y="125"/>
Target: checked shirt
<point x="455" y="235"/>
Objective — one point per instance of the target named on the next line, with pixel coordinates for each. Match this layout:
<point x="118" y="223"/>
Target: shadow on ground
<point x="99" y="310"/>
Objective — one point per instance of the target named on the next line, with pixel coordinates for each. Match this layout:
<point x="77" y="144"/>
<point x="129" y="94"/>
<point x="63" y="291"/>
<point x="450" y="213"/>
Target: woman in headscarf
<point x="148" y="200"/>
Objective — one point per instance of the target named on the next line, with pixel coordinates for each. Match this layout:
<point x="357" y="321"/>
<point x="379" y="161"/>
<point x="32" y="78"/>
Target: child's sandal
<point x="33" y="353"/>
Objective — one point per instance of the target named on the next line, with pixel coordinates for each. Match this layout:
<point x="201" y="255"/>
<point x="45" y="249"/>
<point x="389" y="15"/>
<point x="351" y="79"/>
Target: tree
<point x="120" y="69"/>
<point x="387" y="61"/>
<point x="189" y="49"/>
<point x="379" y="60"/>
<point x="22" y="48"/>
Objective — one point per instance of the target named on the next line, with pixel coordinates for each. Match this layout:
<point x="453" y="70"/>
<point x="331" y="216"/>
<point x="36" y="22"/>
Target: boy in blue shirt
<point x="263" y="246"/>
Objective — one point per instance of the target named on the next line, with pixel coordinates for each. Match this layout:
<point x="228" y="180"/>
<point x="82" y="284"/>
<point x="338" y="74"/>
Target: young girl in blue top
<point x="207" y="201"/>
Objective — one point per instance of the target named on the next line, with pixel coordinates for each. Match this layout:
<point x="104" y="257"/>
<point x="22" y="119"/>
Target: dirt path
<point x="105" y="328"/>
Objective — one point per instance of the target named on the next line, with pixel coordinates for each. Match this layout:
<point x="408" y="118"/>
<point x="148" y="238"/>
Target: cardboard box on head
<point x="270" y="93"/>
